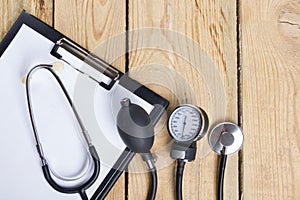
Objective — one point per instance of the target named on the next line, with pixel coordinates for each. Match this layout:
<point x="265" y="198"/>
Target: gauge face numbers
<point x="185" y="123"/>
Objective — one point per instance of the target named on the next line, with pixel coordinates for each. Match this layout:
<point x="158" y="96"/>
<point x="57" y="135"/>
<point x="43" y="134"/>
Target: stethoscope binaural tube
<point x="77" y="189"/>
<point x="91" y="149"/>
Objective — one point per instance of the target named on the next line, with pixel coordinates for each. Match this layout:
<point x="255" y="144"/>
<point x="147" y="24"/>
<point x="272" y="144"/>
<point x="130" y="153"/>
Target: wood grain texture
<point x="212" y="26"/>
<point x="93" y="24"/>
<point x="270" y="59"/>
<point x="271" y="99"/>
<point x="10" y="10"/>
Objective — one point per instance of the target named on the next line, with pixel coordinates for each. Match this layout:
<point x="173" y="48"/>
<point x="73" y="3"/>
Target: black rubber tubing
<point x="221" y="176"/>
<point x="179" y="178"/>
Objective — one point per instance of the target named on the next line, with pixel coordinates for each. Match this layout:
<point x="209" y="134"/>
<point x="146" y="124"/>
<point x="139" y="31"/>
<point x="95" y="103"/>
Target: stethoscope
<point x="225" y="139"/>
<point x="81" y="189"/>
<point x="132" y="123"/>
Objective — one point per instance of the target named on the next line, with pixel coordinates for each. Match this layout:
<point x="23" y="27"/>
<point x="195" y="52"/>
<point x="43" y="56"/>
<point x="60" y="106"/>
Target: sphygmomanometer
<point x="186" y="124"/>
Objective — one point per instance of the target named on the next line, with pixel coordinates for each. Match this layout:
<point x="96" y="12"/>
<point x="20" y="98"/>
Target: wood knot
<point x="289" y="21"/>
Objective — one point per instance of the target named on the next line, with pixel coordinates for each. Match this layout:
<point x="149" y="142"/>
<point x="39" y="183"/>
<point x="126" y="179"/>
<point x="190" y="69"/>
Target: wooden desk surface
<point x="254" y="47"/>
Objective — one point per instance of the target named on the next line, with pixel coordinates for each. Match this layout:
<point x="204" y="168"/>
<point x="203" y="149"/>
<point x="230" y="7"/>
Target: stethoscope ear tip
<point x="24" y="79"/>
<point x="58" y="66"/>
<point x="226" y="138"/>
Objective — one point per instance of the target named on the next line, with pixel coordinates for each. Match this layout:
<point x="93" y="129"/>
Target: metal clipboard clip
<point x="97" y="64"/>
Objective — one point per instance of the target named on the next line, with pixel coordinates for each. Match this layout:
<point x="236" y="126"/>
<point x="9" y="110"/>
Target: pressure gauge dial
<point x="187" y="123"/>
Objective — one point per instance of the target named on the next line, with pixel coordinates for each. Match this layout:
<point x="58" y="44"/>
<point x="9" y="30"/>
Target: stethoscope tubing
<point x="77" y="189"/>
<point x="45" y="167"/>
<point x="222" y="167"/>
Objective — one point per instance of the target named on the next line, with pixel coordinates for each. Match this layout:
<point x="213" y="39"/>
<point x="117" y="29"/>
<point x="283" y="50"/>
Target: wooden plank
<point x="93" y="24"/>
<point x="212" y="26"/>
<point x="10" y="10"/>
<point x="271" y="100"/>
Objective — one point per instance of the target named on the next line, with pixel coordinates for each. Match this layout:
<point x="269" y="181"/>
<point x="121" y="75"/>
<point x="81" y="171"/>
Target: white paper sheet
<point x="20" y="168"/>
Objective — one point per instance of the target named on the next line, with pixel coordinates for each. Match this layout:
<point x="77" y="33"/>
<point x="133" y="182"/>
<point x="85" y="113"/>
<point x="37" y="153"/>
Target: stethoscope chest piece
<point x="226" y="138"/>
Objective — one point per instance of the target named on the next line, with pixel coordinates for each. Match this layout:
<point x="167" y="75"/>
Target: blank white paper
<point x="20" y="168"/>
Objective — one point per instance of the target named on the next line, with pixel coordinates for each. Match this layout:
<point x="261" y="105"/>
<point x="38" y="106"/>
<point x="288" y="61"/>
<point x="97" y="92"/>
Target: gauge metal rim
<point x="215" y="138"/>
<point x="199" y="135"/>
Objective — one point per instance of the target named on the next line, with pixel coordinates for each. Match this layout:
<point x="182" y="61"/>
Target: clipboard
<point x="29" y="42"/>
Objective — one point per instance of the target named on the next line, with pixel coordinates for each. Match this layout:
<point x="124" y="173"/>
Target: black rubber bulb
<point x="135" y="127"/>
